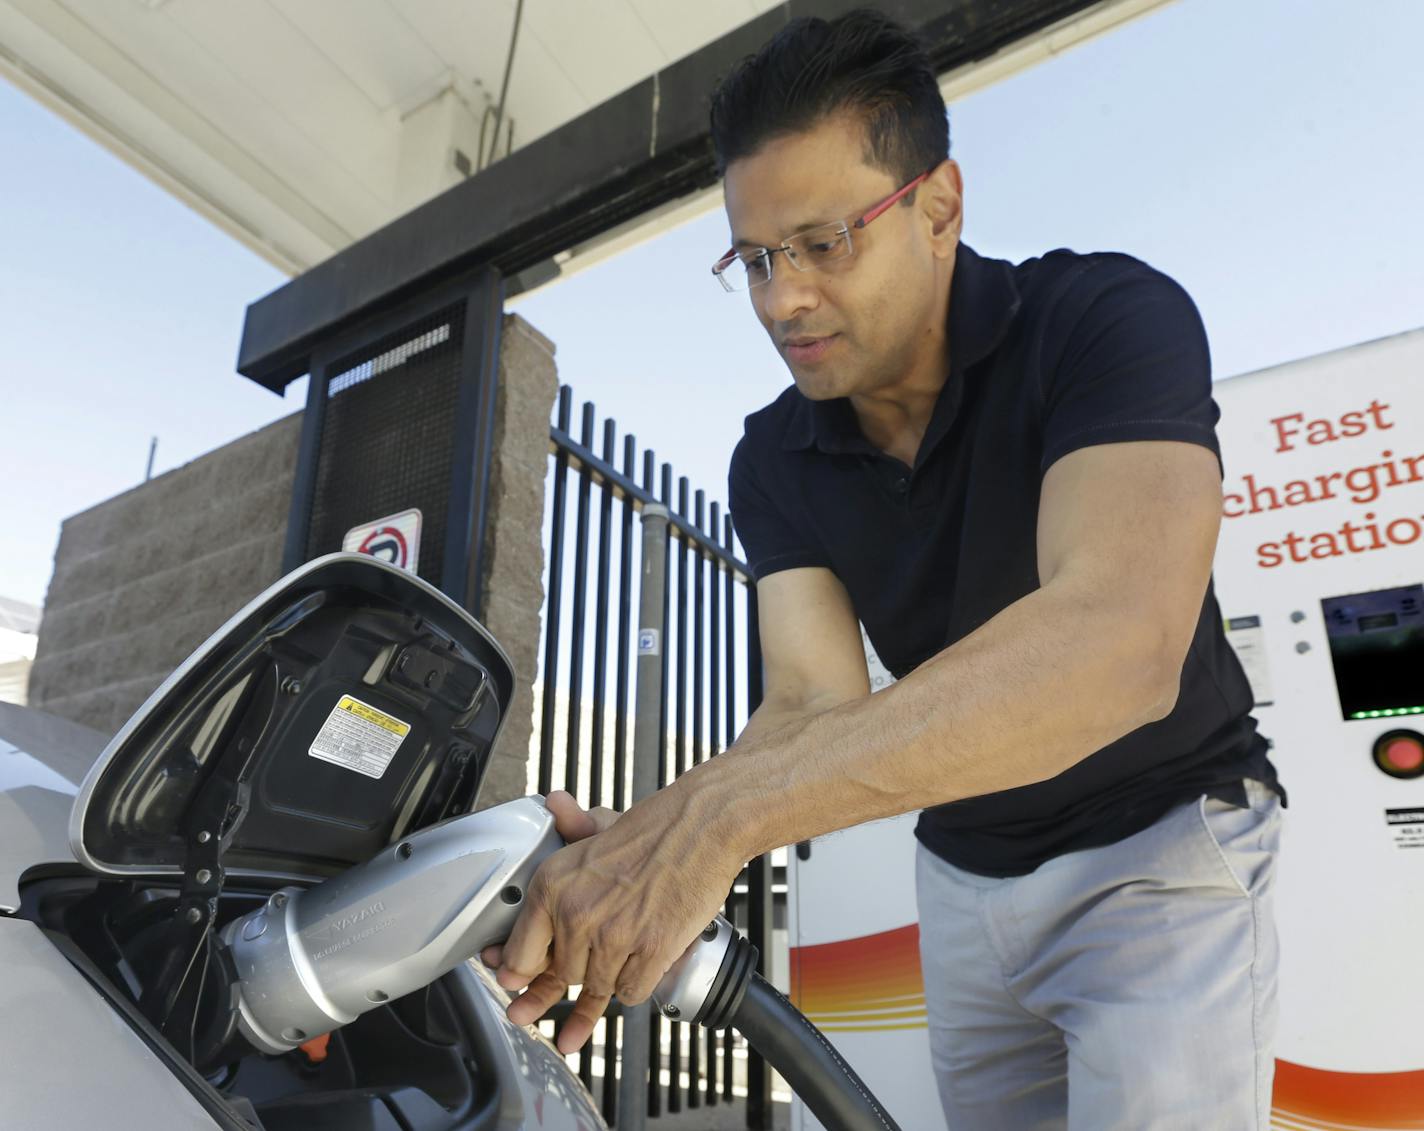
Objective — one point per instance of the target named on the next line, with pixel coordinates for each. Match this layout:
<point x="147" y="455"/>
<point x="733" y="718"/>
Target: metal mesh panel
<point x="387" y="440"/>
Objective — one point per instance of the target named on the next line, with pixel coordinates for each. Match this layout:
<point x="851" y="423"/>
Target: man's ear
<point x="942" y="202"/>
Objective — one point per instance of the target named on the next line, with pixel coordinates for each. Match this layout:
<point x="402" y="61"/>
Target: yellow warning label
<point x="371" y="715"/>
<point x="360" y="737"/>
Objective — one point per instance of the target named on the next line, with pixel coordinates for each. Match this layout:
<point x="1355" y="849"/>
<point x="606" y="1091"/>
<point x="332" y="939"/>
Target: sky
<point x="1266" y="154"/>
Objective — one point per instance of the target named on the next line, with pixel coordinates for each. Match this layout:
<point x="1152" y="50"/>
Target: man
<point x="1010" y="475"/>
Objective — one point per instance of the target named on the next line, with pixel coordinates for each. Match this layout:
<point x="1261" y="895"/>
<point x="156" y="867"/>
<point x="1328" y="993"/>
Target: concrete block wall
<point x="141" y="579"/>
<point x="513" y="592"/>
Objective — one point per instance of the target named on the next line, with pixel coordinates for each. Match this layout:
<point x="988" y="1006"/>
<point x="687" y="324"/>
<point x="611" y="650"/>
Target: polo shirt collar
<point x="983" y="302"/>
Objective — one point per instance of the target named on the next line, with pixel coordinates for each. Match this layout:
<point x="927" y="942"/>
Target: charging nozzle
<point x="309" y="961"/>
<point x="705" y="986"/>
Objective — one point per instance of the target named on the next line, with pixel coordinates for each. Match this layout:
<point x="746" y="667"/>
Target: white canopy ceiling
<point x="300" y="126"/>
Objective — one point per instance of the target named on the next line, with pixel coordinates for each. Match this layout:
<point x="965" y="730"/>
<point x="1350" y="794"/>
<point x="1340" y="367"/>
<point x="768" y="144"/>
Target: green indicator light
<point x="1374" y="714"/>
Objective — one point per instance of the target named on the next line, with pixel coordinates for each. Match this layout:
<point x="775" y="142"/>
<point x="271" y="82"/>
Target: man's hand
<point x="615" y="908"/>
<point x="572" y="822"/>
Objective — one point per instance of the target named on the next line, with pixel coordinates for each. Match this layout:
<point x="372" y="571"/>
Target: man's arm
<point x="1126" y="537"/>
<point x="1125" y="543"/>
<point x="811" y="652"/>
<point x="812" y="661"/>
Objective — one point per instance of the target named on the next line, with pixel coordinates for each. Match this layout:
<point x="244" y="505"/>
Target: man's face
<point x="854" y="326"/>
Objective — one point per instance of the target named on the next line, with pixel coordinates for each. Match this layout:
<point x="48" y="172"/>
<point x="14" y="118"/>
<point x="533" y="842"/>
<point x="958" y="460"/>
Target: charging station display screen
<point x="1377" y="649"/>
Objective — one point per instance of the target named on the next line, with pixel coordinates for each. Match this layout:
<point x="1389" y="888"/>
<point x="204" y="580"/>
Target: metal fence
<point x="710" y="681"/>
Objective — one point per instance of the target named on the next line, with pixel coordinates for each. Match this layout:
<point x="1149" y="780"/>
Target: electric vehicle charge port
<point x="1400" y="753"/>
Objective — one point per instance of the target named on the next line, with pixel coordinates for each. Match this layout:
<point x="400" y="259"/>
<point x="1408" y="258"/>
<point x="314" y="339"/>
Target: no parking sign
<point x="394" y="539"/>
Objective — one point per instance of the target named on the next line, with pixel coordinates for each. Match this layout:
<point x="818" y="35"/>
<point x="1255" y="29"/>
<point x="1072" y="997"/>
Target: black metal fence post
<point x="656" y="1023"/>
<point x="294" y="548"/>
<point x="759" y="1111"/>
<point x="638" y="1032"/>
<point x="555" y="600"/>
<point x="625" y="606"/>
<point x="462" y="572"/>
<point x="579" y="581"/>
<point x="600" y="628"/>
<point x="694" y="1035"/>
<point x="716" y="1038"/>
<point x="730" y="622"/>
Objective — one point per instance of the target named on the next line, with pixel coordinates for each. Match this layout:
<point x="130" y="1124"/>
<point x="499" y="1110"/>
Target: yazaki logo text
<point x="1367" y="479"/>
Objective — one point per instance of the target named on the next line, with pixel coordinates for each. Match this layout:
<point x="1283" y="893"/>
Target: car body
<point x="95" y="865"/>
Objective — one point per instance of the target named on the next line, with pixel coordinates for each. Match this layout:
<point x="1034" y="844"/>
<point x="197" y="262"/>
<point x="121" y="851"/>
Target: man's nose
<point x="789" y="292"/>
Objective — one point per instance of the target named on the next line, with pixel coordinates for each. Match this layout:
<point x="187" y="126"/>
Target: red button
<point x="1406" y="754"/>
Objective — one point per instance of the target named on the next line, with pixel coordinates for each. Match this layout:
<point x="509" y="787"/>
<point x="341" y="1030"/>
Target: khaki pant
<point x="1130" y="987"/>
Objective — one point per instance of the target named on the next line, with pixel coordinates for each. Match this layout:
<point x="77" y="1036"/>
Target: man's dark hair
<point x="863" y="63"/>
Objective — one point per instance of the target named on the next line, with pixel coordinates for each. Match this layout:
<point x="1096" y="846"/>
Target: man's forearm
<point x="773" y="716"/>
<point x="1047" y="682"/>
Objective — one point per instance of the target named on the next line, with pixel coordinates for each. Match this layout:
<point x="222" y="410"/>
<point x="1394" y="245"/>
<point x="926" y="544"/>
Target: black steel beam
<point x="643" y="148"/>
<point x="463" y="567"/>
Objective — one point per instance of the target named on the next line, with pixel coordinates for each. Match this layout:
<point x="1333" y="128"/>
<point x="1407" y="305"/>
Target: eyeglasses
<point x="815" y="247"/>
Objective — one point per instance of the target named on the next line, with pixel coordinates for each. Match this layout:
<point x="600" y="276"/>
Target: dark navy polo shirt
<point x="1051" y="355"/>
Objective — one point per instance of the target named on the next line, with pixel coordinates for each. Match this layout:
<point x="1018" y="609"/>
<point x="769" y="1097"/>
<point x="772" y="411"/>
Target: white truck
<point x="1320" y="576"/>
